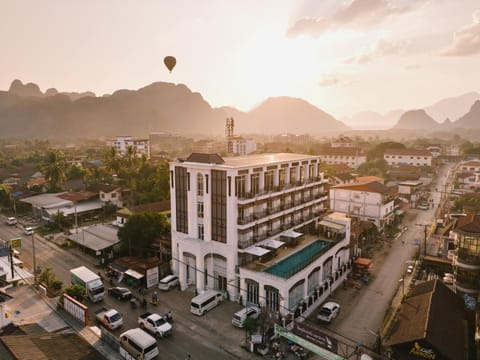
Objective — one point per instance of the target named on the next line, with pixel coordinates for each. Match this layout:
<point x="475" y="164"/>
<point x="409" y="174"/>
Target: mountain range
<point x="26" y="111"/>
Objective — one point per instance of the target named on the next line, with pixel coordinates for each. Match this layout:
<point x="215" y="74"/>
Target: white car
<point x="168" y="282"/>
<point x="329" y="311"/>
<point x="409" y="269"/>
<point x="28" y="230"/>
<point x="11" y="221"/>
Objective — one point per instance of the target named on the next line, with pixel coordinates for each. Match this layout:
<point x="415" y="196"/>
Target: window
<point x="240" y="186"/>
<point x="199" y="184"/>
<point x="268" y="181"/>
<point x="255" y="183"/>
<point x="281" y="177"/>
<point x="293" y="175"/>
<point x="200" y="209"/>
<point x="200" y="231"/>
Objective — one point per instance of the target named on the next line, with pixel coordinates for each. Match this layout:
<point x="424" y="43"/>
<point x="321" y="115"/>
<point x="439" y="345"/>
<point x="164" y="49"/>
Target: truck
<point x="155" y="324"/>
<point x="91" y="282"/>
<point x="110" y="318"/>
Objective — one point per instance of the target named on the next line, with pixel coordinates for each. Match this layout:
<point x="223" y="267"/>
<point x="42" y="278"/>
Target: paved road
<point x="208" y="337"/>
<point x="363" y="310"/>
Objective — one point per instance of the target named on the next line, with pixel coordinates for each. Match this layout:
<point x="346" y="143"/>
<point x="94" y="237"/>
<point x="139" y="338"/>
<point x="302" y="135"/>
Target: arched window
<point x="199" y="184"/>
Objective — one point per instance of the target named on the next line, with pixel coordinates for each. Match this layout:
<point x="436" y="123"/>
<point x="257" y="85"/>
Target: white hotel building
<point x="252" y="226"/>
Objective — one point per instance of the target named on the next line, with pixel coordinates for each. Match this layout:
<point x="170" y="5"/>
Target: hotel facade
<point x="256" y="227"/>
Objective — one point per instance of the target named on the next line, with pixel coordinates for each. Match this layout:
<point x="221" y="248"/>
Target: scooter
<point x="169" y="317"/>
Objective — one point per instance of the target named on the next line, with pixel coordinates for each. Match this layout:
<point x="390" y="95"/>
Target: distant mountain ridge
<point x="27" y="112"/>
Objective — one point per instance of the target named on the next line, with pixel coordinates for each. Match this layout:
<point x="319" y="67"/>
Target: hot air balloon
<point x="169" y="62"/>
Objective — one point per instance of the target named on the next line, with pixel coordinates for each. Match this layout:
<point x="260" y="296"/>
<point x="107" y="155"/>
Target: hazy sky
<point x="342" y="56"/>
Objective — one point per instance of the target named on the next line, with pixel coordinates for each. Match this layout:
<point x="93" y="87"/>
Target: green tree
<point x="50" y="281"/>
<point x="53" y="168"/>
<point x="5" y="195"/>
<point x="374" y="168"/>
<point x="250" y="326"/>
<point x="112" y="160"/>
<point x="141" y="231"/>
<point x="77" y="292"/>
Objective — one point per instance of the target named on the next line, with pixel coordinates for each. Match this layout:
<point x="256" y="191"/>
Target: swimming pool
<point x="299" y="260"/>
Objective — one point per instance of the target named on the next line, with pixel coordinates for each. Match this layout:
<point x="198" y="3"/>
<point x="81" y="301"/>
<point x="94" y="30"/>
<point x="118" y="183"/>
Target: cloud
<point x="380" y="49"/>
<point x="466" y="41"/>
<point x="334" y="80"/>
<point x="357" y="13"/>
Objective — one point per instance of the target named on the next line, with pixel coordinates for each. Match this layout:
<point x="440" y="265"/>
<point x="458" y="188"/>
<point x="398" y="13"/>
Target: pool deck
<point x="284" y="252"/>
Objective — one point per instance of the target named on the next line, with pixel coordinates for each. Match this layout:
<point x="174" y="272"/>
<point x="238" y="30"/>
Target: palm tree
<point x="53" y="168"/>
<point x="112" y="160"/>
<point x="5" y="195"/>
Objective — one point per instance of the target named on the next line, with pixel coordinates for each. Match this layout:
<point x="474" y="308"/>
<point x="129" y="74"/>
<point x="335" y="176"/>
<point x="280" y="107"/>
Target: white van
<point x="168" y="282"/>
<point x="239" y="318"/>
<point x="137" y="344"/>
<point x="206" y="301"/>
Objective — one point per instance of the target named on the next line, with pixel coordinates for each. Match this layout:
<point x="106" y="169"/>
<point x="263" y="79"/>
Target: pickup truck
<point x="110" y="318"/>
<point x="155" y="324"/>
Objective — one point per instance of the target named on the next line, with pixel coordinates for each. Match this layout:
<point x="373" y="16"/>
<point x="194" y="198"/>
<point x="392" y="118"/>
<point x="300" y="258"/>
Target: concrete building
<point x="251" y="226"/>
<point x="238" y="145"/>
<point x="466" y="261"/>
<point x="351" y="156"/>
<point x="373" y="202"/>
<point x="343" y="141"/>
<point x="122" y="143"/>
<point x="471" y="166"/>
<point x="408" y="157"/>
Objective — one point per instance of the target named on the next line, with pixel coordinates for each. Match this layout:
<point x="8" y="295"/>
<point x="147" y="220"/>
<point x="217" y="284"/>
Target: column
<point x="200" y="272"/>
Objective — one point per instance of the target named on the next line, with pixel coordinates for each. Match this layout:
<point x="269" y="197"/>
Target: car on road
<point x="168" y="282"/>
<point x="121" y="293"/>
<point x="239" y="318"/>
<point x="409" y="269"/>
<point x="11" y="221"/>
<point x="329" y="311"/>
<point x="28" y="230"/>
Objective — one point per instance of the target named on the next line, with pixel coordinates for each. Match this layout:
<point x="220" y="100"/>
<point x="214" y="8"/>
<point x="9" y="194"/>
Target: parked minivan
<point x="206" y="301"/>
<point x="137" y="344"/>
<point x="168" y="282"/>
<point x="239" y="318"/>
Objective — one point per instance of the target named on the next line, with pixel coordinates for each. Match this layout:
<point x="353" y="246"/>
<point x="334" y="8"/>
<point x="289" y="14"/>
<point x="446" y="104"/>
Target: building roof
<point x="77" y="196"/>
<point x="468" y="224"/>
<point x="205" y="158"/>
<point x="96" y="237"/>
<point x="159" y="206"/>
<point x="50" y="346"/>
<point x="465" y="175"/>
<point x="248" y="160"/>
<point x="473" y="163"/>
<point x="342" y="151"/>
<point x="373" y="187"/>
<point x="46" y="200"/>
<point x="343" y="176"/>
<point x="413" y="152"/>
<point x="367" y="179"/>
<point x="435" y="313"/>
<point x="343" y="139"/>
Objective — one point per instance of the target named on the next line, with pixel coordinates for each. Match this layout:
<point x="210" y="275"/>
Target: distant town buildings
<point x="237" y="145"/>
<point x="342" y="141"/>
<point x="122" y="143"/>
<point x="351" y="156"/>
<point x="412" y="157"/>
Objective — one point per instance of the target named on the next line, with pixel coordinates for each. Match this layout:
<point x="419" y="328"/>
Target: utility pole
<point x="425" y="226"/>
<point x="34" y="259"/>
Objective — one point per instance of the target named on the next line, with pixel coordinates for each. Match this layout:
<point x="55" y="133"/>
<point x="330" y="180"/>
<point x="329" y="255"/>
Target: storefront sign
<point x="317" y="337"/>
<point x="152" y="276"/>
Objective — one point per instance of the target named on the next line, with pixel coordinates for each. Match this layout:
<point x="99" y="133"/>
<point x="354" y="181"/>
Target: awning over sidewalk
<point x="292" y="234"/>
<point x="363" y="262"/>
<point x="134" y="274"/>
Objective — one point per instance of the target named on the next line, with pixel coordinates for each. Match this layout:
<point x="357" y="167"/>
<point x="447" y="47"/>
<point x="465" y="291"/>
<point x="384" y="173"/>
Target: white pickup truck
<point x="110" y="318"/>
<point x="155" y="324"/>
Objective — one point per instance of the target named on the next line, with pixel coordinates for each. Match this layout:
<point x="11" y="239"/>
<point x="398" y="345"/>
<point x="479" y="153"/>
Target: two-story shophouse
<point x="412" y="157"/>
<point x="371" y="201"/>
<point x="252" y="226"/>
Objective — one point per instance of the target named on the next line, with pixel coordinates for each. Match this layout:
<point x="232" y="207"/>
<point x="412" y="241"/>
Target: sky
<point x="341" y="56"/>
